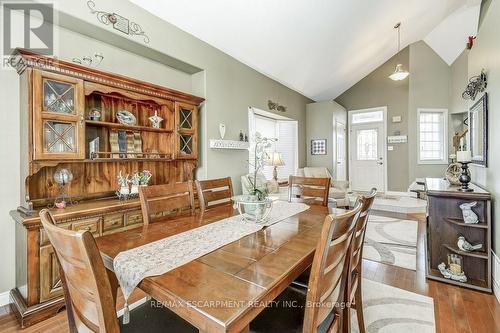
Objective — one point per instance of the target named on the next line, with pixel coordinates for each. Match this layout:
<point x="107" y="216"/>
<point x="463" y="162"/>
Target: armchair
<point x="338" y="188"/>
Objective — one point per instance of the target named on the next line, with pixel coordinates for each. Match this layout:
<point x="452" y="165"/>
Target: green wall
<point x="375" y="90"/>
<point x="228" y="86"/>
<point x="321" y="124"/>
<point x="486" y="54"/>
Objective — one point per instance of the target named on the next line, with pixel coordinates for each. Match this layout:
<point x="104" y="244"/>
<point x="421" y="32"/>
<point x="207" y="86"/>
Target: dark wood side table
<point x="445" y="224"/>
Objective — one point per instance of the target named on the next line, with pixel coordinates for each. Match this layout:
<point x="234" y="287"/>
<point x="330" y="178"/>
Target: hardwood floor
<point x="456" y="309"/>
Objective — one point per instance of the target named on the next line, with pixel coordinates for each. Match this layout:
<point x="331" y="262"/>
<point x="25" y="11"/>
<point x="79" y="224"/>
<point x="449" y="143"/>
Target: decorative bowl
<point x="252" y="209"/>
<point x="95" y="114"/>
<point x="126" y="118"/>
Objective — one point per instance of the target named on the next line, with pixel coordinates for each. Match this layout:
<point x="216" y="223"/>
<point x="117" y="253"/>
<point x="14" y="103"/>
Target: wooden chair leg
<point x="359" y="308"/>
<point x="346" y="320"/>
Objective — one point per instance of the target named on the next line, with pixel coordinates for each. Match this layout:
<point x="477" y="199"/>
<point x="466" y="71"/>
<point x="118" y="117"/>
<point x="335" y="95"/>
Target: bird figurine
<point x="464" y="245"/>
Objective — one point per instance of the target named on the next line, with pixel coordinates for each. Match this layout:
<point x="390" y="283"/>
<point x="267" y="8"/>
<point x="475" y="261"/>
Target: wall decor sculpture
<point x="119" y="22"/>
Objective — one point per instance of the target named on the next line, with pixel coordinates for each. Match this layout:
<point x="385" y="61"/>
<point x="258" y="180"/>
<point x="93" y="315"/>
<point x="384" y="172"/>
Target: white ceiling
<point x="319" y="48"/>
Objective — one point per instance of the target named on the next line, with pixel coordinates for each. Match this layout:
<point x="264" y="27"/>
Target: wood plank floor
<point x="456" y="309"/>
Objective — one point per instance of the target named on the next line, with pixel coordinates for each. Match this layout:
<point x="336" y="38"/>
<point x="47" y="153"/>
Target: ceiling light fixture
<point x="399" y="74"/>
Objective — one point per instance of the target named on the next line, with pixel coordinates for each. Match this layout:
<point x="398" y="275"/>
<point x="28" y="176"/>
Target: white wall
<point x="10" y="183"/>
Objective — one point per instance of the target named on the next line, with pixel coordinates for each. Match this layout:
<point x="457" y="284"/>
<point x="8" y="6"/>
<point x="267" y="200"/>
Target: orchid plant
<point x="260" y="157"/>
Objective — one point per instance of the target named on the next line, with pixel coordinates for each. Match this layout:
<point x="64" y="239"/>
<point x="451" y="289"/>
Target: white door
<point x="341" y="169"/>
<point x="367" y="151"/>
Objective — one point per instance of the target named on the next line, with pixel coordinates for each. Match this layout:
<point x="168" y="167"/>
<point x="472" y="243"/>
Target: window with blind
<point x="432" y="136"/>
<point x="285" y="131"/>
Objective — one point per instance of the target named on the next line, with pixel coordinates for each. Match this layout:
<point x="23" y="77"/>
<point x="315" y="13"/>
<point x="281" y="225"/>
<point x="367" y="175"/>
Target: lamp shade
<point x="275" y="159"/>
<point x="399" y="74"/>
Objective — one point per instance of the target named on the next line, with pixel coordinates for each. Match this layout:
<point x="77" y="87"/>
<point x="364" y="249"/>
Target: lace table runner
<point x="164" y="255"/>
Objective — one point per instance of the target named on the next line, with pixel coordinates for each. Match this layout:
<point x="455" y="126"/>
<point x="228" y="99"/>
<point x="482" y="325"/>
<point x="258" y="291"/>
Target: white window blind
<point x="285" y="131"/>
<point x="432" y="136"/>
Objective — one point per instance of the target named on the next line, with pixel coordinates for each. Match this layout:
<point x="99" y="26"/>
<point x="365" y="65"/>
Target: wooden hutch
<point x="445" y="224"/>
<point x="56" y="132"/>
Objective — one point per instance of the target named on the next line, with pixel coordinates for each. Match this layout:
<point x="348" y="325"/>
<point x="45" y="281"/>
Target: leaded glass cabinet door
<point x="59" y="127"/>
<point x="186" y="120"/>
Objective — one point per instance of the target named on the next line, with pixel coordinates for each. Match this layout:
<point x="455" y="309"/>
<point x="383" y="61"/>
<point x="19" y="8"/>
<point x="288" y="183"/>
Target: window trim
<point x="444" y="160"/>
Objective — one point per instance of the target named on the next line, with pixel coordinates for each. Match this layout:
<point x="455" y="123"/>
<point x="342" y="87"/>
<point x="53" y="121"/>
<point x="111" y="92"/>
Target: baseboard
<point x="4" y="298"/>
<point x="399" y="194"/>
<point x="496" y="275"/>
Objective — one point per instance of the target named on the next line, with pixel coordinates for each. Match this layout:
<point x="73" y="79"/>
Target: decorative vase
<point x="252" y="209"/>
<point x="134" y="189"/>
<point x="222" y="130"/>
<point x="124" y="190"/>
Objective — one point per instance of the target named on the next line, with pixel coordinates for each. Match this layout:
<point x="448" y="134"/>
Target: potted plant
<point x="256" y="206"/>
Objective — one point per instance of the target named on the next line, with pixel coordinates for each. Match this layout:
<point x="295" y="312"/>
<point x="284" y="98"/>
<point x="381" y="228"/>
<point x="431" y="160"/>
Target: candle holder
<point x="465" y="178"/>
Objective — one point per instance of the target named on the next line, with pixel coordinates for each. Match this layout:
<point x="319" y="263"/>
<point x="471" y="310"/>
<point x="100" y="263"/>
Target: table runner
<point x="164" y="255"/>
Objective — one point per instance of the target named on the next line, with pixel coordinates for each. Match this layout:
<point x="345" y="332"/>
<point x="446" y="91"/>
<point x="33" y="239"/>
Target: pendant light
<point x="399" y="74"/>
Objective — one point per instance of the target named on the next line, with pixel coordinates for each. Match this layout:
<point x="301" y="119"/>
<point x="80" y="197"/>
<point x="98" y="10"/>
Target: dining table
<point x="224" y="290"/>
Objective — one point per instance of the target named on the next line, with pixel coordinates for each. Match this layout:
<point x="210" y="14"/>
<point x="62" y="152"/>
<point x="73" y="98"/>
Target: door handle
<point x="380" y="163"/>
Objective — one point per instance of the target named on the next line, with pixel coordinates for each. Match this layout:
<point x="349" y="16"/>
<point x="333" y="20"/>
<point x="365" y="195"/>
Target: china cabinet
<point x="69" y="120"/>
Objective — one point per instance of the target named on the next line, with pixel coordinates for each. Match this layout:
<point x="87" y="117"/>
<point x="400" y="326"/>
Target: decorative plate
<point x="453" y="173"/>
<point x="126" y="118"/>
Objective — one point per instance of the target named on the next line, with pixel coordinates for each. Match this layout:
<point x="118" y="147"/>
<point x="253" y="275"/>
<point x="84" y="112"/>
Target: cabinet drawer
<point x="134" y="217"/>
<point x="91" y="225"/>
<point x="112" y="222"/>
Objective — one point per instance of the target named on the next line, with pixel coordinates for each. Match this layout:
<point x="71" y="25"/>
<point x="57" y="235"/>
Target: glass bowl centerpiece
<point x="256" y="205"/>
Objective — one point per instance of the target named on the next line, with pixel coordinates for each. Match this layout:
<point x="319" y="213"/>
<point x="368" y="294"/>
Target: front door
<point x="367" y="147"/>
<point x="341" y="170"/>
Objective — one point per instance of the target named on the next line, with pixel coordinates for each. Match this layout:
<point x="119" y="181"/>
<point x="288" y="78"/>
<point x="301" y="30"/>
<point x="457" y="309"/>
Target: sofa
<point x="339" y="189"/>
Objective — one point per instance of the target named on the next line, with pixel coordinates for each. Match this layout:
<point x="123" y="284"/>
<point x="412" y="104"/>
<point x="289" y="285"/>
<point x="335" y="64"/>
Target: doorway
<point x="367" y="149"/>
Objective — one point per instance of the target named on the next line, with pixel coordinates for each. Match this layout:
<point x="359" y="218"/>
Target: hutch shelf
<point x="60" y="129"/>
<point x="445" y="224"/>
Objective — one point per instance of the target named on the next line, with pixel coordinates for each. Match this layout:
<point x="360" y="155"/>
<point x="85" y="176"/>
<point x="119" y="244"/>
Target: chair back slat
<point x="328" y="277"/>
<point x="356" y="250"/>
<point x="214" y="192"/>
<point x="159" y="201"/>
<point x="310" y="190"/>
<point x="89" y="299"/>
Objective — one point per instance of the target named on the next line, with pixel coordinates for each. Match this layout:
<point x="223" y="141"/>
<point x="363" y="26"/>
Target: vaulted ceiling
<point x="320" y="48"/>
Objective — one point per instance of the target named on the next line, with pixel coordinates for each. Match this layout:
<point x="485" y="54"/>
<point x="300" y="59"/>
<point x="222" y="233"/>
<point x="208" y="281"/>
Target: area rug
<point x="391" y="241"/>
<point x="392" y="310"/>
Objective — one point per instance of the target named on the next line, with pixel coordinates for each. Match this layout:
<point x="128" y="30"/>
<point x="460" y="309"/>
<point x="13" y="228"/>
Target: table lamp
<point x="275" y="160"/>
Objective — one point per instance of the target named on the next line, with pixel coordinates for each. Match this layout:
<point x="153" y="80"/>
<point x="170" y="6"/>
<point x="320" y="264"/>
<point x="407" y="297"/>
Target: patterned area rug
<point x="393" y="310"/>
<point x="391" y="241"/>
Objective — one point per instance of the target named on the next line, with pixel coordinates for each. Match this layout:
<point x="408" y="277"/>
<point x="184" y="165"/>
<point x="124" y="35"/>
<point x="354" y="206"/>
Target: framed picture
<point x="478" y="129"/>
<point x="318" y="147"/>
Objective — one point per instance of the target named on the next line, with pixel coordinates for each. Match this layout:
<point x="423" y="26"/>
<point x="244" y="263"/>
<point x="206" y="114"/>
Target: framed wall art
<point x="318" y="147"/>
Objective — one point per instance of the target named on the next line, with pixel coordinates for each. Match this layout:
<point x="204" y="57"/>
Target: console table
<point x="445" y="224"/>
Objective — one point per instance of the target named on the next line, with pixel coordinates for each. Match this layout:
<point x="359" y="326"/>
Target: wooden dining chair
<point x="309" y="190"/>
<point x="90" y="299"/>
<point x="322" y="305"/>
<point x="214" y="192"/>
<point x="159" y="201"/>
<point x="353" y="291"/>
